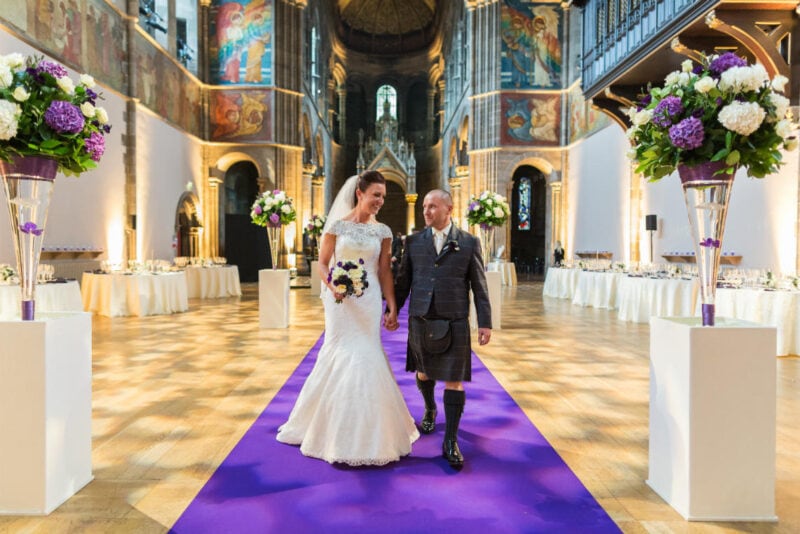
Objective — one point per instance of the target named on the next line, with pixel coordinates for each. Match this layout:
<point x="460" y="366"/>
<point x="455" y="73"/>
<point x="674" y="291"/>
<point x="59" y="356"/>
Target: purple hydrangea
<point x="95" y="145"/>
<point x="53" y="69"/>
<point x="64" y="117"/>
<point x="644" y="102"/>
<point x="667" y="110"/>
<point x="724" y="62"/>
<point x="687" y="134"/>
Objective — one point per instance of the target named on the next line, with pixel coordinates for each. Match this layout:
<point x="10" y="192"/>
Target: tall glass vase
<point x="28" y="184"/>
<point x="487" y="243"/>
<point x="707" y="196"/>
<point x="274" y="235"/>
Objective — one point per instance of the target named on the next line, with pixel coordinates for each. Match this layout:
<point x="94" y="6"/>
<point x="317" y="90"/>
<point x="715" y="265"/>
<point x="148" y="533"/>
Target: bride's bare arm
<point x="325" y="256"/>
<point x="387" y="282"/>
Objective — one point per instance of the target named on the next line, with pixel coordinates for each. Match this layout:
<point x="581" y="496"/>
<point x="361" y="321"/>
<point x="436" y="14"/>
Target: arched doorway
<point x="188" y="230"/>
<point x="528" y="214"/>
<point x="246" y="244"/>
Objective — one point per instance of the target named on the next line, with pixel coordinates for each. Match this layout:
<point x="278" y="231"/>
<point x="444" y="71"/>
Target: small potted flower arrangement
<point x="487" y="210"/>
<point x="314" y="230"/>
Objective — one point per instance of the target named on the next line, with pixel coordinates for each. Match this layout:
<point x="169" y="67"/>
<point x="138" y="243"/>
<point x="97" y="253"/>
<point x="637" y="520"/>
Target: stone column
<point x="305" y="210"/>
<point x="318" y="194"/>
<point x="411" y="200"/>
<point x="129" y="140"/>
<point x="211" y="216"/>
<point x="432" y="112"/>
<point x="341" y="92"/>
<point x="457" y="192"/>
<point x="556" y="216"/>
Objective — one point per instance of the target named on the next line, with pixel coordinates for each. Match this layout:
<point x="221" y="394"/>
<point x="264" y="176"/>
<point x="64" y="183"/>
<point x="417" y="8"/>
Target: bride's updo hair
<point x="366" y="179"/>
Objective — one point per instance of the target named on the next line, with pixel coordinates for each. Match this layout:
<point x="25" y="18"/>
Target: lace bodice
<point x="360" y="240"/>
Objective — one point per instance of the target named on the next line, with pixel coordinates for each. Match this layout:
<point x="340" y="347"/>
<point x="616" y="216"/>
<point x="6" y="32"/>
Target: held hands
<point x="390" y="320"/>
<point x="484" y="335"/>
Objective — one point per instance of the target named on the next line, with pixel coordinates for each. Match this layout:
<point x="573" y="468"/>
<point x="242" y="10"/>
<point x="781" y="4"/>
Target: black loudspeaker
<point x="651" y="222"/>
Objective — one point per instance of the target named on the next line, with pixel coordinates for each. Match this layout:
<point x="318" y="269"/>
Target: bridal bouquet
<point x="348" y="278"/>
<point x="273" y="208"/>
<point x="43" y="112"/>
<point x="488" y="209"/>
<point x="720" y="110"/>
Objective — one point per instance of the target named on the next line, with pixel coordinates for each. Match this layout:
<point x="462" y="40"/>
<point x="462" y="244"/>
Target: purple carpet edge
<point x="513" y="480"/>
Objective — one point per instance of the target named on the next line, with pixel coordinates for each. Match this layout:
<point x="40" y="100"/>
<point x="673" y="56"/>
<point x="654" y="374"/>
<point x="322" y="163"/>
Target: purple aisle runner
<point x="513" y="480"/>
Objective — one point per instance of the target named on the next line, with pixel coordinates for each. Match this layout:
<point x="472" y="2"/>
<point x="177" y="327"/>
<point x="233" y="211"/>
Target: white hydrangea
<point x="12" y="61"/>
<point x="88" y="110"/>
<point x="705" y="84"/>
<point x="779" y="82"/>
<point x="9" y="119"/>
<point x="6" y="76"/>
<point x="743" y="118"/>
<point x="738" y="79"/>
<point x="20" y="94"/>
<point x="781" y="104"/>
<point x="784" y="128"/>
<point x="66" y="84"/>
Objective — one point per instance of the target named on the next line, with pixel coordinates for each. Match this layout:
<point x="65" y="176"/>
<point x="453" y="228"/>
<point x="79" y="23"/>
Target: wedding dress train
<point x="350" y="408"/>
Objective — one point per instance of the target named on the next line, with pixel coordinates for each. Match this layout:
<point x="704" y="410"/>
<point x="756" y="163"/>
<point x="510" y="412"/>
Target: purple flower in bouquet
<point x="95" y="146"/>
<point x="726" y="61"/>
<point x="687" y="134"/>
<point x="667" y="110"/>
<point x="53" y="69"/>
<point x="644" y="102"/>
<point x="64" y="117"/>
<point x="275" y="219"/>
<point x="257" y="209"/>
<point x="31" y="228"/>
<point x="348" y="278"/>
<point x="711" y="243"/>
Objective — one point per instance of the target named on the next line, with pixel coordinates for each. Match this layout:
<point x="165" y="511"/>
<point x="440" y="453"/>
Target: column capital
<point x="555" y="186"/>
<point x="411" y="198"/>
<point x="309" y="168"/>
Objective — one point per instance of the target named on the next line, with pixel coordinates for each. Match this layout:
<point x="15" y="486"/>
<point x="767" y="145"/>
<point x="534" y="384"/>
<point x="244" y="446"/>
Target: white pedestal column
<point x="315" y="280"/>
<point x="273" y="298"/>
<point x="494" y="282"/>
<point x="712" y="418"/>
<point x="45" y="411"/>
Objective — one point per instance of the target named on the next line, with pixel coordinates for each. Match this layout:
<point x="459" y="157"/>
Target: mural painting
<point x="241" y="115"/>
<point x="106" y="44"/>
<point x="241" y="42"/>
<point x="584" y="120"/>
<point x="531" y="45"/>
<point x="530" y="119"/>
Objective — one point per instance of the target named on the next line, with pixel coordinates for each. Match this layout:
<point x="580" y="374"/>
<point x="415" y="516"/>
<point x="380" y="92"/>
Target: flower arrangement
<point x="43" y="112"/>
<point x="720" y="110"/>
<point x="488" y="209"/>
<point x="273" y="208"/>
<point x="348" y="278"/>
<point x="7" y="274"/>
<point x="315" y="225"/>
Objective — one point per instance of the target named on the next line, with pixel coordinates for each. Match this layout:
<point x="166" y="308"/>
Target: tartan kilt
<point x="453" y="365"/>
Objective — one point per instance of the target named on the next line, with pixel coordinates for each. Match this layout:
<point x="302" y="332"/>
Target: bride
<point x="350" y="409"/>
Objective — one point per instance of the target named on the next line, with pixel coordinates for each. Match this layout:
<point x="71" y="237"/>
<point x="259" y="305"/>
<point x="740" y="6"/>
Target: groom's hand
<point x="390" y="321"/>
<point x="484" y="335"/>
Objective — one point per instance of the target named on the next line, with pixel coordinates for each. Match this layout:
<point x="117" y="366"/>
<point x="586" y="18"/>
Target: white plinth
<point x="494" y="283"/>
<point x="315" y="279"/>
<point x="45" y="411"/>
<point x="712" y="418"/>
<point x="273" y="298"/>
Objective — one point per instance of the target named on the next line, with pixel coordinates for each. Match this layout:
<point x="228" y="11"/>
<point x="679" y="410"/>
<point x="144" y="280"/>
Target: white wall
<point x="598" y="190"/>
<point x="87" y="211"/>
<point x="166" y="162"/>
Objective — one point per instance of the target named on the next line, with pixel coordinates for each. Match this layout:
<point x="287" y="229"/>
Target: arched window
<point x="386" y="92"/>
<point x="524" y="212"/>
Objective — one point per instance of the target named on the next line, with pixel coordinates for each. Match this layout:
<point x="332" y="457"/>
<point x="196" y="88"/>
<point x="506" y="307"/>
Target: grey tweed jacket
<point x="446" y="278"/>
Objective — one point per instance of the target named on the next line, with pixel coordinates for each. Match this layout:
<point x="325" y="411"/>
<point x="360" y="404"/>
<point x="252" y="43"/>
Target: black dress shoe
<point x="428" y="423"/>
<point x="452" y="453"/>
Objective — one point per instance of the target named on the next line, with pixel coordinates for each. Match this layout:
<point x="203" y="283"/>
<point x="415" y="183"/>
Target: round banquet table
<point x="507" y="270"/>
<point x="120" y="294"/>
<point x="49" y="297"/>
<point x="597" y="289"/>
<point x="640" y="298"/>
<point x="213" y="282"/>
<point x="560" y="282"/>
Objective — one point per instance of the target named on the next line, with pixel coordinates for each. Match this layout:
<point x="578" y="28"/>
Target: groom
<point x="439" y="267"/>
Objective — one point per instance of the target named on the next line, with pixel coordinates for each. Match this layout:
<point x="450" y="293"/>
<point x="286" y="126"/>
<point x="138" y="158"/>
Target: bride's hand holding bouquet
<point x="347" y="278"/>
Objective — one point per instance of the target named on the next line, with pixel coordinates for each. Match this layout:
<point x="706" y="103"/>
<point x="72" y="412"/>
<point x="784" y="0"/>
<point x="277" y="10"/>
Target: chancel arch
<point x="527" y="225"/>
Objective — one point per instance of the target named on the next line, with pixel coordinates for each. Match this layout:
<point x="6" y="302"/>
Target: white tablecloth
<point x="597" y="289"/>
<point x="560" y="283"/>
<point x="507" y="270"/>
<point x="50" y="297"/>
<point x="115" y="295"/>
<point x="213" y="282"/>
<point x="771" y="308"/>
<point x="642" y="298"/>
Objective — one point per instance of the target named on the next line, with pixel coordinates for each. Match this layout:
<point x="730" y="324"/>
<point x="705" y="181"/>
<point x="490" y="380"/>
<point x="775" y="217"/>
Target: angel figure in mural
<point x="258" y="36"/>
<point x="545" y="48"/>
<point x="543" y="119"/>
<point x="517" y="44"/>
<point x="227" y="114"/>
<point x="252" y="116"/>
<point x="230" y="36"/>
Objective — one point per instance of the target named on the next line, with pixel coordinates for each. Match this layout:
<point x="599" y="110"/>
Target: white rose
<point x="101" y="115"/>
<point x="672" y="78"/>
<point x="6" y="76"/>
<point x="87" y="80"/>
<point x="268" y="203"/>
<point x="687" y="66"/>
<point x="487" y="213"/>
<point x="705" y="84"/>
<point x="88" y="110"/>
<point x="643" y="117"/>
<point x="784" y="128"/>
<point x="20" y="94"/>
<point x="499" y="213"/>
<point x="286" y="208"/>
<point x="631" y="132"/>
<point x="779" y="82"/>
<point x="631" y="154"/>
<point x="280" y="196"/>
<point x="13" y="61"/>
<point x="66" y="84"/>
<point x="684" y="78"/>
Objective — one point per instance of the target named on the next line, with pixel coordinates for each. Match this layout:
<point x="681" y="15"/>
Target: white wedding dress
<point x="350" y="409"/>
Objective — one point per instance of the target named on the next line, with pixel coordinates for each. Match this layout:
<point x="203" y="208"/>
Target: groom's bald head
<point x="436" y="208"/>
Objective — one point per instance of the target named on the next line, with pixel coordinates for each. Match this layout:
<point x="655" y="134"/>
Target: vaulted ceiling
<point x="387" y="26"/>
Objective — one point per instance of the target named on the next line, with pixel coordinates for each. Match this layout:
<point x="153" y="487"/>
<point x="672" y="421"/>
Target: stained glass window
<point x="524" y="207"/>
<point x="387" y="92"/>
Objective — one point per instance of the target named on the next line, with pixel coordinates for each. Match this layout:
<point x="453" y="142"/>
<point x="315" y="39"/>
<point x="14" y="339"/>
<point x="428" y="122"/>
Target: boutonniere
<point x="452" y="246"/>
